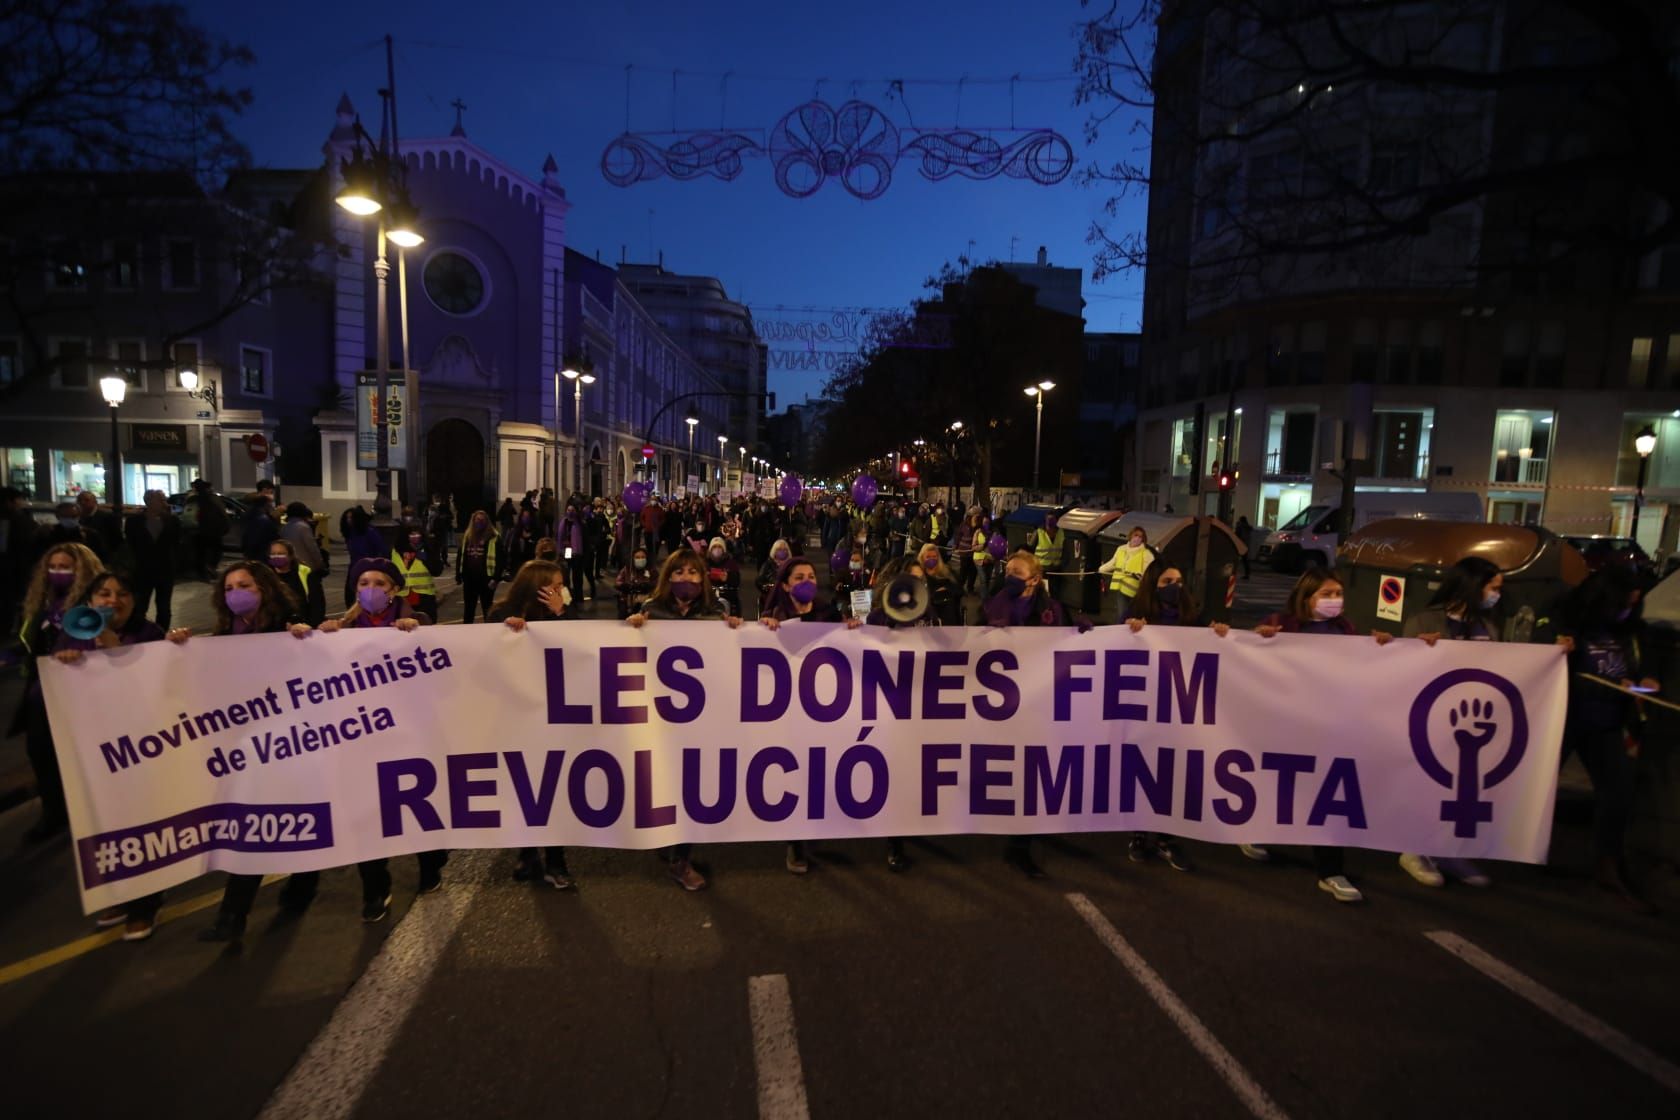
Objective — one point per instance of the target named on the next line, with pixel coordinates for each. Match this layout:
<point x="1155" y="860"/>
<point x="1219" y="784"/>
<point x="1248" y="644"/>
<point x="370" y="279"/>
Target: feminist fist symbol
<point x="1468" y="710"/>
<point x="1467" y="810"/>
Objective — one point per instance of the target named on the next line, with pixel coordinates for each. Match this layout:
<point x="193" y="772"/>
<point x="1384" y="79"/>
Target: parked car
<point x="237" y="512"/>
<point x="1603" y="552"/>
<point x="1310" y="537"/>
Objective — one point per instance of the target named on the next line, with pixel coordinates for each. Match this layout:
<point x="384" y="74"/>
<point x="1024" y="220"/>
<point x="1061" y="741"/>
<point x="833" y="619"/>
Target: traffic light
<point x="905" y="467"/>
<point x="1227" y="481"/>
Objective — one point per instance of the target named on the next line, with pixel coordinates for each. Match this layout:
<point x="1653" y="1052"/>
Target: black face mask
<point x="1169" y="594"/>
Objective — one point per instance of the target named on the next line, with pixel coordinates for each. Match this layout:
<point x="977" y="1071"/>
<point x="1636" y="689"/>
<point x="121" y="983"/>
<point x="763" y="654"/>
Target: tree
<point x="999" y="341"/>
<point x="101" y="85"/>
<point x="1325" y="135"/>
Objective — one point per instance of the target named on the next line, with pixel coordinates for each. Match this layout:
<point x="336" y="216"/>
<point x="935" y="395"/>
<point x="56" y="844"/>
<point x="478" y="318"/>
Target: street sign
<point x="647" y="450"/>
<point x="911" y="481"/>
<point x="367" y="420"/>
<point x="257" y="445"/>
<point x="1391" y="598"/>
<point x="203" y="414"/>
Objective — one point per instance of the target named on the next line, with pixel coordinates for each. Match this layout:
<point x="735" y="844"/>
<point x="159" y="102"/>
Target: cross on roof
<point x="460" y="107"/>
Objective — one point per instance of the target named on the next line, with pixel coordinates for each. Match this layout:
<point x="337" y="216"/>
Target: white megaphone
<point x="86" y="623"/>
<point x="905" y="599"/>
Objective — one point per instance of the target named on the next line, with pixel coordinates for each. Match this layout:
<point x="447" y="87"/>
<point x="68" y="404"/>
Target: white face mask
<point x="1328" y="608"/>
<point x="1490" y="600"/>
<point x="1134" y="543"/>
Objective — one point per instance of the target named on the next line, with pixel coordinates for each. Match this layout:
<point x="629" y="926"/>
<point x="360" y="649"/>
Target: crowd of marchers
<point x="682" y="560"/>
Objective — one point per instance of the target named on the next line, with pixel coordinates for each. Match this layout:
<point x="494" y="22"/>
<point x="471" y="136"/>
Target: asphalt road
<point x="958" y="989"/>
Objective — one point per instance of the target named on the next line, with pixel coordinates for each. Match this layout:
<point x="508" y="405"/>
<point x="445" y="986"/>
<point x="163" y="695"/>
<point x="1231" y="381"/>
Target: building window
<point x="1289" y="442"/>
<point x="1309" y="362"/>
<point x="128" y="357"/>
<point x="180" y="264"/>
<point x="1548" y="357"/>
<point x="11" y="361"/>
<point x="1365" y="352"/>
<point x="1401" y="443"/>
<point x="1280" y="355"/>
<point x="69" y="357"/>
<point x="1430" y="357"/>
<point x="66" y="268"/>
<point x="1397" y="353"/>
<point x="1521" y="440"/>
<point x="184" y="355"/>
<point x="1639" y="363"/>
<point x="123" y="269"/>
<point x="1671" y="362"/>
<point x="454" y="283"/>
<point x="253" y="371"/>
<point x="1513" y="363"/>
<point x="1662" y="469"/>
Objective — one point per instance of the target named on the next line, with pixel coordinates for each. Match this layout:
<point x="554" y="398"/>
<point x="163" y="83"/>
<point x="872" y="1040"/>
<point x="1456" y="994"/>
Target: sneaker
<point x="796" y="861"/>
<point x="557" y="878"/>
<point x="1423" y="869"/>
<point x="431" y="881"/>
<point x="685" y="875"/>
<point x="1254" y="852"/>
<point x="138" y="929"/>
<point x="375" y="909"/>
<point x="114" y="916"/>
<point x="1340" y="889"/>
<point x="1465" y="872"/>
<point x="228" y="927"/>
<point x="1169" y="852"/>
<point x="1137" y="849"/>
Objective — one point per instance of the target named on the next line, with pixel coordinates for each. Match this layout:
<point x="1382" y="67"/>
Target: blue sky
<point x="540" y="79"/>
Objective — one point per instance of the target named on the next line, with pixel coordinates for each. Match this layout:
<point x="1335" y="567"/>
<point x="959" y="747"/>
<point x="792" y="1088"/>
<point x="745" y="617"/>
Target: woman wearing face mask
<point x="1163" y="599"/>
<point x="1024" y="601"/>
<point x="943" y="589"/>
<point x="300" y="579"/>
<point x="855" y="576"/>
<point x="780" y="553"/>
<point x="1462" y="610"/>
<point x="635" y="583"/>
<point x="725" y="573"/>
<point x="1315" y="607"/>
<point x="380" y="603"/>
<point x="1125" y="570"/>
<point x="574" y="545"/>
<point x="113" y="596"/>
<point x="520" y="543"/>
<point x="409" y="558"/>
<point x="1604" y="633"/>
<point x="965" y="544"/>
<point x="62" y="578"/>
<point x="361" y="540"/>
<point x="249" y="599"/>
<point x="682" y="593"/>
<point x="475" y="566"/>
<point x="537" y="594"/>
<point x="796" y="597"/>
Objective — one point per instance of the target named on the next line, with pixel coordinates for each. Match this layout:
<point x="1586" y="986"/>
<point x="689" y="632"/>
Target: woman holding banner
<point x="111" y="594"/>
<point x="1315" y="607"/>
<point x="943" y="587"/>
<point x="1462" y="610"/>
<point x="380" y="603"/>
<point x="537" y="594"/>
<point x="62" y="577"/>
<point x="795" y="597"/>
<point x="683" y="593"/>
<point x="1163" y="599"/>
<point x="250" y="599"/>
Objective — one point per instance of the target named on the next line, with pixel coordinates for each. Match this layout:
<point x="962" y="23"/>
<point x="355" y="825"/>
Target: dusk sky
<point x="540" y="79"/>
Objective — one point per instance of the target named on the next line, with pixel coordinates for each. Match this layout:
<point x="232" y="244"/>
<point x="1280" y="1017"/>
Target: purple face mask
<point x="685" y="591"/>
<point x="374" y="600"/>
<point x="803" y="592"/>
<point x="242" y="601"/>
<point x="280" y="563"/>
<point x="60" y="581"/>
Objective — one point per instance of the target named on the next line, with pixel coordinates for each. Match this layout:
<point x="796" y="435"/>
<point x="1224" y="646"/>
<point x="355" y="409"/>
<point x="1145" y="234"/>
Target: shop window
<point x="77" y="471"/>
<point x="19" y="468"/>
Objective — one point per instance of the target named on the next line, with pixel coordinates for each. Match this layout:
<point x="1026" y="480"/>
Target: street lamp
<point x="1037" y="392"/>
<point x="723" y="462"/>
<point x="1644" y="443"/>
<point x="692" y="421"/>
<point x="579" y="376"/>
<point x="114" y="389"/>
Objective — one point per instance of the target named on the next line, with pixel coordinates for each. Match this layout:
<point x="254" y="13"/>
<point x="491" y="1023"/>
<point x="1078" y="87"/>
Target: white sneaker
<point x="1423" y="869"/>
<point x="1340" y="889"/>
<point x="1254" y="852"/>
<point x="1465" y="872"/>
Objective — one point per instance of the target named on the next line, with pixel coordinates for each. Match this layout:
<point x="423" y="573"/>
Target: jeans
<point x="376" y="873"/>
<point x="241" y="891"/>
<point x="476" y="591"/>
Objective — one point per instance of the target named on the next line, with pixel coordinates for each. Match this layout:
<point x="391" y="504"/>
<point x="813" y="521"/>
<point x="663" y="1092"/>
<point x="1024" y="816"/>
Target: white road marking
<point x="334" y="1072"/>
<point x="1664" y="1072"/>
<point x="781" y="1079"/>
<point x="1242" y="1083"/>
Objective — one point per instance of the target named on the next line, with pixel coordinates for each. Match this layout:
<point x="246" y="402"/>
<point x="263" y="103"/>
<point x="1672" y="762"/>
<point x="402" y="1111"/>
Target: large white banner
<point x="270" y="753"/>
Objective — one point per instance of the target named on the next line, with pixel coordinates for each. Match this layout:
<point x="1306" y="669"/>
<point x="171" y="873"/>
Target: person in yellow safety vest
<point x="1047" y="547"/>
<point x="300" y="579"/>
<point x="1126" y="568"/>
<point x="410" y="558"/>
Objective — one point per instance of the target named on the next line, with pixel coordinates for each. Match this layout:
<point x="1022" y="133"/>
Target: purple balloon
<point x="864" y="488"/>
<point x="792" y="490"/>
<point x="635" y="497"/>
<point x="998" y="546"/>
<point x="837" y="563"/>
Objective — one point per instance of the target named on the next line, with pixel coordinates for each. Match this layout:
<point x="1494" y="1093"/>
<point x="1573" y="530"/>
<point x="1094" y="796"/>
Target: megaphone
<point x="905" y="599"/>
<point x="86" y="622"/>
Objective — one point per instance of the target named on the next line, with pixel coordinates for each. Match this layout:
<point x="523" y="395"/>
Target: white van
<point x="1310" y="536"/>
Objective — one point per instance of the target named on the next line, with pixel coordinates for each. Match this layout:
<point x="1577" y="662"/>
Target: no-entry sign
<point x="647" y="450"/>
<point x="257" y="444"/>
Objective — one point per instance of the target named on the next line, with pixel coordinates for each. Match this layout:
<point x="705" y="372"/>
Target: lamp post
<point x="955" y="432"/>
<point x="189" y="379"/>
<point x="692" y="421"/>
<point x="579" y="376"/>
<point x="1037" y="392"/>
<point x="114" y="389"/>
<point x="1644" y="443"/>
<point x="723" y="462"/>
<point x="374" y="185"/>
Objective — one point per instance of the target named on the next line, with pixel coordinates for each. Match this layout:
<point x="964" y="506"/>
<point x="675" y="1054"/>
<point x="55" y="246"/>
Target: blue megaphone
<point x="86" y="622"/>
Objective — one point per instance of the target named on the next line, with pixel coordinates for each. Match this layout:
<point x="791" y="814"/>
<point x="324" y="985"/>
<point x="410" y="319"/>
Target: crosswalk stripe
<point x="781" y="1078"/>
